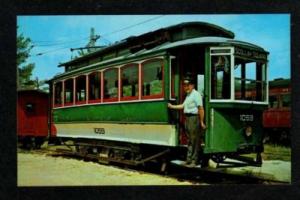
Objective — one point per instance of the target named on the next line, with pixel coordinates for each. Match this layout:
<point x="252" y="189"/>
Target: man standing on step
<point x="194" y="117"/>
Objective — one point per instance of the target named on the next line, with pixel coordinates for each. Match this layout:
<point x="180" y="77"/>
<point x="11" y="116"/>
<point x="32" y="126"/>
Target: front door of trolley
<point x="191" y="62"/>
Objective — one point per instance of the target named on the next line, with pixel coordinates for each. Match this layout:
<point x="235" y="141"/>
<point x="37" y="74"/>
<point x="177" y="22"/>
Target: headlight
<point x="248" y="131"/>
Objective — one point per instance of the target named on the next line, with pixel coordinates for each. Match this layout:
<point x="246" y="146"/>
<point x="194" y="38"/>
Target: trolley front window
<point x="220" y="77"/>
<point x="238" y="75"/>
<point x="249" y="80"/>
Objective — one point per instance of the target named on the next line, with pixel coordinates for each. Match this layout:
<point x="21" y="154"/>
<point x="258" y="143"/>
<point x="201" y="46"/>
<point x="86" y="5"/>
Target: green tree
<point x="24" y="71"/>
<point x="41" y="84"/>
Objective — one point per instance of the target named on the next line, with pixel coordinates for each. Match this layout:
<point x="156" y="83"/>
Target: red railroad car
<point x="32" y="113"/>
<point x="277" y="119"/>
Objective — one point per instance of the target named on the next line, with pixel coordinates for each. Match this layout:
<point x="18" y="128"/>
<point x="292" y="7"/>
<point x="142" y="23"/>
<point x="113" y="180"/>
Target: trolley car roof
<point x="210" y="40"/>
<point x="169" y="45"/>
<point x="202" y="29"/>
<point x="159" y="41"/>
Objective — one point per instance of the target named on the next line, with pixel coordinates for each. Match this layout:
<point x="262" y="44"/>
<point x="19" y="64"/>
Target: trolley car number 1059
<point x="99" y="130"/>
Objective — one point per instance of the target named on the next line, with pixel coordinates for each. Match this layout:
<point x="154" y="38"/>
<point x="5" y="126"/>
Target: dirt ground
<point x="35" y="169"/>
<point x="42" y="170"/>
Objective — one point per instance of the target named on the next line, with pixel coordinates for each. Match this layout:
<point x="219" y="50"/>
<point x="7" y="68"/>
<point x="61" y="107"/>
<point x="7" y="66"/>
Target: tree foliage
<point x="24" y="47"/>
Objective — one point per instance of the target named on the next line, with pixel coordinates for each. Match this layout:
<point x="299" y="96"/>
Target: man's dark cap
<point x="188" y="80"/>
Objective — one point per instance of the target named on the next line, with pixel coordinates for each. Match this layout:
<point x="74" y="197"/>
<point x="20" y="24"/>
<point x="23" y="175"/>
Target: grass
<point x="276" y="152"/>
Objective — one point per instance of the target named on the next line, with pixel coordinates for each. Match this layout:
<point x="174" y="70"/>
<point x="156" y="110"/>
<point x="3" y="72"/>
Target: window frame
<point x="78" y="102"/>
<point x="230" y="53"/>
<point x="91" y="101"/>
<point x="118" y="99"/>
<point x="129" y="98"/>
<point x="57" y="105"/>
<point x="64" y="92"/>
<point x="111" y="99"/>
<point x="232" y="76"/>
<point x="156" y="96"/>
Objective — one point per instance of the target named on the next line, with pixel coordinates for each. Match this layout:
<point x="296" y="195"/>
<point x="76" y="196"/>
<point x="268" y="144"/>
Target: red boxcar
<point x="32" y="113"/>
<point x="277" y="118"/>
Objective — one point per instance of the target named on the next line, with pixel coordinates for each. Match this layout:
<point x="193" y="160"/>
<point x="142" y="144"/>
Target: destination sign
<point x="250" y="53"/>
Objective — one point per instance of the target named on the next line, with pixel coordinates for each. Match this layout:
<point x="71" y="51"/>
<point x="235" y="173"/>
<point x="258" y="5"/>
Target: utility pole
<point x="91" y="45"/>
<point x="92" y="42"/>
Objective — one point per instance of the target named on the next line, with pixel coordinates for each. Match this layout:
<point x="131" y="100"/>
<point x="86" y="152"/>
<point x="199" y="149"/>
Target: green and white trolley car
<point x="112" y="103"/>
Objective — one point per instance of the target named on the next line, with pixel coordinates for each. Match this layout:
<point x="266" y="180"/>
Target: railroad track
<point x="179" y="172"/>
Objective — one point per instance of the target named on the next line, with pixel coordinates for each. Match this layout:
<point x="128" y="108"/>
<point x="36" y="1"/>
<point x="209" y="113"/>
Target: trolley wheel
<point x="28" y="143"/>
<point x="218" y="158"/>
<point x="204" y="161"/>
<point x="38" y="142"/>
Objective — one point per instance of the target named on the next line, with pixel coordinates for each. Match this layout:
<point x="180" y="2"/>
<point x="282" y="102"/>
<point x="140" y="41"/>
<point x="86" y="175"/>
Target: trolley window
<point x="94" y="87"/>
<point x="81" y="89"/>
<point x="286" y="100"/>
<point x="129" y="82"/>
<point x="69" y="91"/>
<point x="220" y="77"/>
<point x="249" y="80"/>
<point x="57" y="94"/>
<point x="111" y="85"/>
<point x="152" y="79"/>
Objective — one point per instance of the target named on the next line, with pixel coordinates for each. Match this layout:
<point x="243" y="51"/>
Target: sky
<point x="54" y="36"/>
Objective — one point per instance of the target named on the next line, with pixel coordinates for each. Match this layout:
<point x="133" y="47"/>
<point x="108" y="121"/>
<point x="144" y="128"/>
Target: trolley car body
<point x="120" y="93"/>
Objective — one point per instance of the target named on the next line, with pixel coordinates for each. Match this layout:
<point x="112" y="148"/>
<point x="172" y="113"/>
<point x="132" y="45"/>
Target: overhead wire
<point x="58" y="44"/>
<point x="52" y="50"/>
<point x="105" y="39"/>
<point x="110" y="33"/>
<point x="58" y="41"/>
<point x="128" y="27"/>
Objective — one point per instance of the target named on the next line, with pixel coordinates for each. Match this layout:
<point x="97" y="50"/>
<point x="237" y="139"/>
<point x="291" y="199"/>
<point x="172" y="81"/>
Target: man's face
<point x="188" y="87"/>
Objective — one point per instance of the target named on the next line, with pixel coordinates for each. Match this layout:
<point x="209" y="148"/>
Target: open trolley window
<point x="238" y="75"/>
